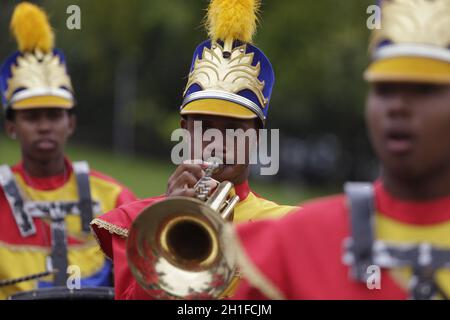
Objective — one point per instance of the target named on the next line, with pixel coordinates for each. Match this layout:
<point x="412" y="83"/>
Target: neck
<point x="52" y="167"/>
<point x="422" y="189"/>
<point x="242" y="177"/>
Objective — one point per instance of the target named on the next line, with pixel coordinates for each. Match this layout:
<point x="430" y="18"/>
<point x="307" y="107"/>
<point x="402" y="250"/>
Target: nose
<point x="44" y="124"/>
<point x="397" y="105"/>
<point x="215" y="147"/>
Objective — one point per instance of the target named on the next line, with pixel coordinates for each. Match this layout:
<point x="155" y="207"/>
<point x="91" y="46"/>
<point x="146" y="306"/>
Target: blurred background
<point x="129" y="64"/>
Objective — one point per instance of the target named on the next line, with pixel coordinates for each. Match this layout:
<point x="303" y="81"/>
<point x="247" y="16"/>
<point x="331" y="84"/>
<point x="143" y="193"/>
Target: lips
<point x="45" y="144"/>
<point x="399" y="141"/>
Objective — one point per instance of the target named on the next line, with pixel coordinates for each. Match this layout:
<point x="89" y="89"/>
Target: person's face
<point x="409" y="125"/>
<point x="236" y="171"/>
<point x="42" y="133"/>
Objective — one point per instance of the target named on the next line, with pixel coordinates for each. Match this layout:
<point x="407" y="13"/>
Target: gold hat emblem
<point x="232" y="74"/>
<point x="425" y="22"/>
<point x="38" y="71"/>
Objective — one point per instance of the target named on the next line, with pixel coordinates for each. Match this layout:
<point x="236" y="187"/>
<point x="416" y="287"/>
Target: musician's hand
<point x="183" y="180"/>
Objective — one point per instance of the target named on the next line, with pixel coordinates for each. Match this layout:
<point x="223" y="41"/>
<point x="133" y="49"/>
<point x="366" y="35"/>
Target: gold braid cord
<point x="251" y="273"/>
<point x="112" y="228"/>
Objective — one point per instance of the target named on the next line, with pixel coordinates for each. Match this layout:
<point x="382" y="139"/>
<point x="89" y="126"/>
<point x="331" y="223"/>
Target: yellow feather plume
<point x="31" y="28"/>
<point x="232" y="19"/>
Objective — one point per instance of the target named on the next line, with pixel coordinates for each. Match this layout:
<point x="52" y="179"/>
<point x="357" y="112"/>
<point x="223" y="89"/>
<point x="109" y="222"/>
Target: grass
<point x="148" y="177"/>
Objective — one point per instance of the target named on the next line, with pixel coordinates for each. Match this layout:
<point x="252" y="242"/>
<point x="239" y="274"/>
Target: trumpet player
<point x="229" y="87"/>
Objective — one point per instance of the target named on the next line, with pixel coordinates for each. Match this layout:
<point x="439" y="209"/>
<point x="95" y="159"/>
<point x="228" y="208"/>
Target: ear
<point x="72" y="124"/>
<point x="10" y="129"/>
<point x="257" y="126"/>
<point x="183" y="123"/>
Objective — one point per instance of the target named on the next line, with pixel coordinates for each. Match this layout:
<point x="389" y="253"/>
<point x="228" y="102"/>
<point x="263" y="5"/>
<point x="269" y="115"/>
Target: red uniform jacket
<point x="303" y="258"/>
<point x="112" y="228"/>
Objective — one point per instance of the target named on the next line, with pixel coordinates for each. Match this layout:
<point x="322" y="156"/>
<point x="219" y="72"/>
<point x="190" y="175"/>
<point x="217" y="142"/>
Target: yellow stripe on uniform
<point x="24" y="260"/>
<point x="254" y="208"/>
<point x="396" y="232"/>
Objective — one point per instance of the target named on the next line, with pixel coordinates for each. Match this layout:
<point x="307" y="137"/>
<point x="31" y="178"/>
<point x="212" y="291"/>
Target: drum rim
<point x="91" y="293"/>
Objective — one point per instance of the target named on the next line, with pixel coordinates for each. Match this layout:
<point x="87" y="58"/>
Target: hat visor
<point x="41" y="102"/>
<point x="409" y="69"/>
<point x="217" y="107"/>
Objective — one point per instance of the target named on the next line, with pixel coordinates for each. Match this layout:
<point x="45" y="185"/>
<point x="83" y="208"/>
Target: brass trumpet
<point x="176" y="248"/>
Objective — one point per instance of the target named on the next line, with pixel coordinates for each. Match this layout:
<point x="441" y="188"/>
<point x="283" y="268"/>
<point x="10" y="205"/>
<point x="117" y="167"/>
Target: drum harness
<point x="362" y="250"/>
<point x="25" y="210"/>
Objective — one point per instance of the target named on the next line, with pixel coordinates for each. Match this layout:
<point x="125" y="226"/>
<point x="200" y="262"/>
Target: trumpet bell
<point x="176" y="250"/>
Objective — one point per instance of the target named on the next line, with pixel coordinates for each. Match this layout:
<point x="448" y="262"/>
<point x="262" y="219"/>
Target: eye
<point x="232" y="126"/>
<point x="55" y="114"/>
<point x="30" y="115"/>
<point x="206" y="125"/>
<point x="417" y="89"/>
<point x="428" y="89"/>
<point x="384" y="89"/>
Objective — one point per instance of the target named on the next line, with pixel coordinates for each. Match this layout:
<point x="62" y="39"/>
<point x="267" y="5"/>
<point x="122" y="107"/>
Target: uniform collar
<point x="44" y="183"/>
<point x="242" y="190"/>
<point x="413" y="212"/>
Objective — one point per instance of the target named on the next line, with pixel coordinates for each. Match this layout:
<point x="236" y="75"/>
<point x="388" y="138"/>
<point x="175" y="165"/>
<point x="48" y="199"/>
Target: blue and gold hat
<point x="413" y="44"/>
<point x="229" y="76"/>
<point x="36" y="75"/>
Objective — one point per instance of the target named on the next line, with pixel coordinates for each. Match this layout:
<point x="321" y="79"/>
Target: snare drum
<point x="62" y="293"/>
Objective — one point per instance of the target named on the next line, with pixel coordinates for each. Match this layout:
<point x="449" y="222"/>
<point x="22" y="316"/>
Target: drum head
<point x="62" y="293"/>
